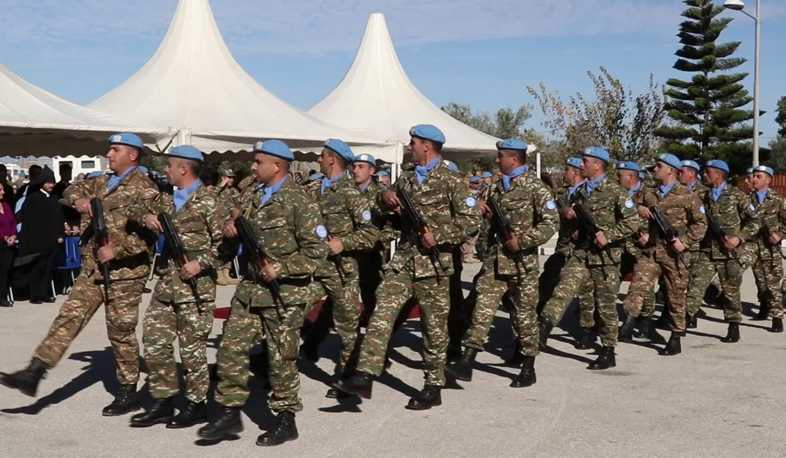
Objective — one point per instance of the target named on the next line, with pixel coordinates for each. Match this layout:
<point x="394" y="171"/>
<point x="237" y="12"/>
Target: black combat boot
<point x="605" y="360"/>
<point x="194" y="413"/>
<point x="310" y="349"/>
<point x="764" y="310"/>
<point x="162" y="411"/>
<point x="360" y="384"/>
<point x="673" y="347"/>
<point x="284" y="431"/>
<point x="692" y="321"/>
<point x="125" y="401"/>
<point x="663" y="320"/>
<point x="627" y="329"/>
<point x="527" y="376"/>
<point x="26" y="380"/>
<point x="228" y="424"/>
<point x="733" y="336"/>
<point x="462" y="368"/>
<point x="516" y="359"/>
<point x="546" y="326"/>
<point x="430" y="396"/>
<point x="585" y="340"/>
<point x="777" y="325"/>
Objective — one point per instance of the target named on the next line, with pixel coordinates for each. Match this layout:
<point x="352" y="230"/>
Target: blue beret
<point x="670" y="160"/>
<point x="692" y="164"/>
<point x="427" y="132"/>
<point x="94" y="174"/>
<point x="749" y="171"/>
<point x="763" y="168"/>
<point x="474" y="180"/>
<point x="340" y="148"/>
<point x="275" y="148"/>
<point x="316" y="176"/>
<point x="366" y="158"/>
<point x="718" y="164"/>
<point x="127" y="139"/>
<point x="597" y="153"/>
<point x="513" y="144"/>
<point x="573" y="162"/>
<point x="452" y="166"/>
<point x="632" y="166"/>
<point x="187" y="152"/>
<point x="485" y="175"/>
<point x="642" y="175"/>
<point x="383" y="173"/>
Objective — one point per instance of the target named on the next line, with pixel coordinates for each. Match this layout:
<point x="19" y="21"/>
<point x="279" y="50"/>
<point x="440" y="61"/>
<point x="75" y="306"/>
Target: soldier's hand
<point x="391" y="199"/>
<point x="601" y="240"/>
<point x="336" y="246"/>
<point x="83" y="207"/>
<point x="428" y="241"/>
<point x="774" y="238"/>
<point x="512" y="244"/>
<point x="230" y="231"/>
<point x="644" y="212"/>
<point x="268" y="273"/>
<point x="190" y="270"/>
<point x="643" y="239"/>
<point x="731" y="243"/>
<point x="106" y="253"/>
<point x="677" y="245"/>
<point x="485" y="209"/>
<point x="574" y="235"/>
<point x="568" y="213"/>
<point x="152" y="223"/>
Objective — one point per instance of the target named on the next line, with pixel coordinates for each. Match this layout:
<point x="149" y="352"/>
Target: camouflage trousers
<point x="243" y="329"/>
<point x="630" y="258"/>
<point x="122" y="315"/>
<point x="605" y="286"/>
<point x="491" y="289"/>
<point x="768" y="273"/>
<point x="396" y="289"/>
<point x="190" y="325"/>
<point x="729" y="273"/>
<point x="675" y="281"/>
<point x="549" y="279"/>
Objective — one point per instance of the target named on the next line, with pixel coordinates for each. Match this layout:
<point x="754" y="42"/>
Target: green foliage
<point x="780" y="117"/>
<point x="777" y="159"/>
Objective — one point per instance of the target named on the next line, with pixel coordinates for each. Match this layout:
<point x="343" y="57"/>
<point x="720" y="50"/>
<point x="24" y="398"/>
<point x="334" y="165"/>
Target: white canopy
<point x="377" y="98"/>
<point x="34" y="122"/>
<point x="194" y="85"/>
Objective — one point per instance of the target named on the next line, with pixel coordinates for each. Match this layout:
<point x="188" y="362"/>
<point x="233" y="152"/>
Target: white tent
<point x="34" y="122"/>
<point x="194" y="85"/>
<point x="377" y="98"/>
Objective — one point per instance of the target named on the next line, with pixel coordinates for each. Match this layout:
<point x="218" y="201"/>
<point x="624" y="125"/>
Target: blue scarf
<point x="760" y="196"/>
<point x="635" y="189"/>
<point x="592" y="184"/>
<point x="268" y="191"/>
<point x="716" y="192"/>
<point x="181" y="196"/>
<point x="421" y="171"/>
<point x="692" y="186"/>
<point x="507" y="179"/>
<point x="328" y="182"/>
<point x="365" y="186"/>
<point x="115" y="180"/>
<point x="664" y="189"/>
<point x="572" y="189"/>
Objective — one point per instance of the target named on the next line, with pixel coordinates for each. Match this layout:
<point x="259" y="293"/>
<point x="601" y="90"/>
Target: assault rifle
<point x="177" y="251"/>
<point x="418" y="222"/>
<point x="766" y="232"/>
<point x="101" y="236"/>
<point x="590" y="227"/>
<point x="668" y="233"/>
<point x="258" y="255"/>
<point x="716" y="230"/>
<point x="503" y="226"/>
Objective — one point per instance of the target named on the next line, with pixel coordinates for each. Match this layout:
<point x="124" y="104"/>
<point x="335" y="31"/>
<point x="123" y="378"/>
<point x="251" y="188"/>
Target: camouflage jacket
<point x="453" y="216"/>
<point x="684" y="213"/>
<point x="132" y="243"/>
<point x="631" y="247"/>
<point x="735" y="215"/>
<point x="532" y="213"/>
<point x="286" y="228"/>
<point x="199" y="225"/>
<point x="563" y="239"/>
<point x="347" y="215"/>
<point x="226" y="196"/>
<point x="247" y="185"/>
<point x="615" y="214"/>
<point x="384" y="221"/>
<point x="772" y="212"/>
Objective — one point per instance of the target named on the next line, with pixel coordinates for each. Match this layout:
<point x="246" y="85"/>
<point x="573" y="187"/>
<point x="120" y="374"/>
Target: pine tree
<point x="706" y="116"/>
<point x="780" y="117"/>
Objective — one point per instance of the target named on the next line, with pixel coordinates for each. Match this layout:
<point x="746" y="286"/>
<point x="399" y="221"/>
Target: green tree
<point x="780" y="117"/>
<point x="777" y="157"/>
<point x="705" y="112"/>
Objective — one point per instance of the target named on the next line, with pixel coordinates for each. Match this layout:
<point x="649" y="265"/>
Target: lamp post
<point x="738" y="5"/>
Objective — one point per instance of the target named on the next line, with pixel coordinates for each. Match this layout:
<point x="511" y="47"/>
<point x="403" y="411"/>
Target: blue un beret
<point x="452" y="166"/>
<point x="749" y="171"/>
<point x="127" y="139"/>
<point x="597" y="153"/>
<point x="94" y="174"/>
<point x="474" y="180"/>
<point x="366" y="158"/>
<point x="670" y="160"/>
<point x="765" y="169"/>
<point x="427" y="132"/>
<point x="187" y="152"/>
<point x="692" y="164"/>
<point x="275" y="148"/>
<point x="383" y="173"/>
<point x="341" y="148"/>
<point x="717" y="164"/>
<point x="632" y="166"/>
<point x="513" y="144"/>
<point x="573" y="162"/>
<point x="485" y="175"/>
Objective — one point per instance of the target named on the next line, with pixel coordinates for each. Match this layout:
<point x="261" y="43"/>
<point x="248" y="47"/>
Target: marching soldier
<point x="511" y="265"/>
<point x="383" y="179"/>
<point x="595" y="257"/>
<point x="737" y="219"/>
<point x="126" y="255"/>
<point x="369" y="264"/>
<point x="665" y="253"/>
<point x="176" y="311"/>
<point x="227" y="194"/>
<point x="451" y="215"/>
<point x="288" y="227"/>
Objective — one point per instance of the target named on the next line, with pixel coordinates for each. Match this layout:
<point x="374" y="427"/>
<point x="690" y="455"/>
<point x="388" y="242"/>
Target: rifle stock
<point x="101" y="236"/>
<point x="716" y="230"/>
<point x="667" y="232"/>
<point x="177" y="250"/>
<point x="259" y="256"/>
<point x="503" y="226"/>
<point x="419" y="223"/>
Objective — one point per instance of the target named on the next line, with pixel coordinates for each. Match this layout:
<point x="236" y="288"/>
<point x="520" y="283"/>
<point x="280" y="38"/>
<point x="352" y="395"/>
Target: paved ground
<point x="715" y="400"/>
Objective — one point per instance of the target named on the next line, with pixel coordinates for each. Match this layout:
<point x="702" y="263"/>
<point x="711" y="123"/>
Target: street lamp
<point x="738" y="5"/>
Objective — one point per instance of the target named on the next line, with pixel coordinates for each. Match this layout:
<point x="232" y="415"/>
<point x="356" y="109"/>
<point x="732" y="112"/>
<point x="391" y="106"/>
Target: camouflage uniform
<point x="767" y="261"/>
<point x="684" y="212"/>
<point x="736" y="216"/>
<point x="286" y="228"/>
<point x="443" y="201"/>
<point x="615" y="214"/>
<point x="347" y="215"/>
<point x="532" y="212"/>
<point x="370" y="264"/>
<point x="633" y="252"/>
<point x="173" y="312"/>
<point x="127" y="273"/>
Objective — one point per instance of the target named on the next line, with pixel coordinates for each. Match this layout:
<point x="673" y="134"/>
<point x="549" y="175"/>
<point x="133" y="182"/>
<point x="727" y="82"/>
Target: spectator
<point x="72" y="217"/>
<point x="8" y="190"/>
<point x="8" y="234"/>
<point x="65" y="180"/>
<point x="42" y="233"/>
<point x="33" y="172"/>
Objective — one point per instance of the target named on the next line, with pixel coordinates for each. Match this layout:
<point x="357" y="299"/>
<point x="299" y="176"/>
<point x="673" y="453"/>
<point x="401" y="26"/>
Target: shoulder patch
<point x="629" y="204"/>
<point x="551" y="206"/>
<point x="366" y="215"/>
<point x="471" y="201"/>
<point x="322" y="232"/>
<point x="703" y="210"/>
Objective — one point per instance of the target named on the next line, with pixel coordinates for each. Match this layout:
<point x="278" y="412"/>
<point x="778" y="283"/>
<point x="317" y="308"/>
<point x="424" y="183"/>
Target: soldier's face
<point x="418" y="149"/>
<point x="362" y="172"/>
<point x="627" y="178"/>
<point x="325" y="161"/>
<point x="474" y="186"/>
<point x="591" y="168"/>
<point x="384" y="180"/>
<point x="662" y="172"/>
<point x="687" y="176"/>
<point x="713" y="176"/>
<point x="508" y="161"/>
<point x="121" y="157"/>
<point x="761" y="181"/>
<point x="265" y="168"/>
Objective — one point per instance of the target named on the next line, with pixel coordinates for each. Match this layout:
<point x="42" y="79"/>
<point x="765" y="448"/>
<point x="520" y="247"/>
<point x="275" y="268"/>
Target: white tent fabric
<point x="34" y="122"/>
<point x="376" y="97"/>
<point x="194" y="85"/>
